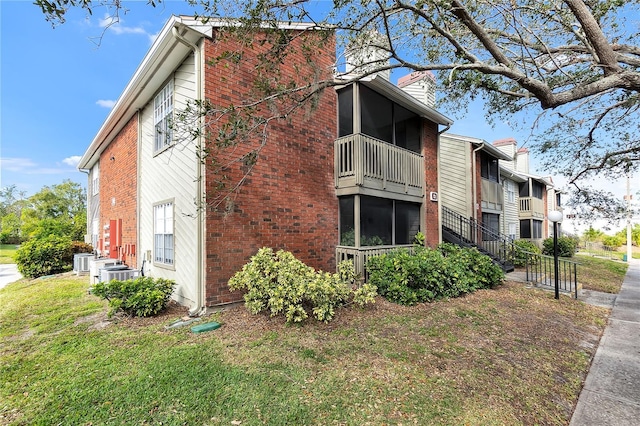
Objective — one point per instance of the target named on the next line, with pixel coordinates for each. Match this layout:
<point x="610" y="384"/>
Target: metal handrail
<point x="469" y="231"/>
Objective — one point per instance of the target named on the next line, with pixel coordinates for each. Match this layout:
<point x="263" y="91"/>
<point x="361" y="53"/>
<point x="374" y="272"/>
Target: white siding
<point x="170" y="176"/>
<point x="510" y="215"/>
<point x="455" y="175"/>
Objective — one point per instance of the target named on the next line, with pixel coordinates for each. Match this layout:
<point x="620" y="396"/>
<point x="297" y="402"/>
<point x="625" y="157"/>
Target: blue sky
<point x="58" y="84"/>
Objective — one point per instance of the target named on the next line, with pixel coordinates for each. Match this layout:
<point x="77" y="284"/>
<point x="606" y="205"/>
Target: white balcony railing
<point x="359" y="256"/>
<point x="531" y="207"/>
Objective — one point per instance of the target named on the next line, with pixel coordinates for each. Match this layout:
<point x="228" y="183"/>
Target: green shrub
<point x="283" y="285"/>
<point x="525" y="251"/>
<point x="81" y="247"/>
<point x="566" y="246"/>
<point x="428" y="274"/>
<point x="612" y="242"/>
<point x="139" y="297"/>
<point x="44" y="256"/>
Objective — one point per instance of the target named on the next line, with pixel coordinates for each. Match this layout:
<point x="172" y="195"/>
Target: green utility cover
<point x="205" y="327"/>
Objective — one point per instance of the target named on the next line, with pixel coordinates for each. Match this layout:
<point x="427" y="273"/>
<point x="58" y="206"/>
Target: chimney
<point x="365" y="54"/>
<point x="421" y="85"/>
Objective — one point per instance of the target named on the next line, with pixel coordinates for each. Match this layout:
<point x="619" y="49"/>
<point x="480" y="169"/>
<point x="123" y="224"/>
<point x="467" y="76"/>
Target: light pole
<point x="555" y="217"/>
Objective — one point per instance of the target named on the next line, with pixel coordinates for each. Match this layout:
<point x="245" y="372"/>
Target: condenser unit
<point x="81" y="263"/>
<point x="95" y="265"/>
<point x="116" y="273"/>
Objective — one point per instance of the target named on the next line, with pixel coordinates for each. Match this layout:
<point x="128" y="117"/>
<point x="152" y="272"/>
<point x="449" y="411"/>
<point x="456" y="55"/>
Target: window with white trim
<point x="163" y="234"/>
<point x="95" y="179"/>
<point x="511" y="191"/>
<point x="162" y="115"/>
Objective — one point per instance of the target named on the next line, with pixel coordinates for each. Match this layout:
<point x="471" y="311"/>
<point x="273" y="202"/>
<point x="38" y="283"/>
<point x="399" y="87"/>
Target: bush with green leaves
<point x="612" y="242"/>
<point x="429" y="274"/>
<point x="525" y="252"/>
<point x="138" y="297"/>
<point x="44" y="256"/>
<point x="566" y="246"/>
<point x="283" y="285"/>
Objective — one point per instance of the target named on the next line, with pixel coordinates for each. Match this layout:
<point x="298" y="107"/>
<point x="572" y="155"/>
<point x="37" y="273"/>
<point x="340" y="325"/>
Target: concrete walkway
<point x="8" y="274"/>
<point x="611" y="393"/>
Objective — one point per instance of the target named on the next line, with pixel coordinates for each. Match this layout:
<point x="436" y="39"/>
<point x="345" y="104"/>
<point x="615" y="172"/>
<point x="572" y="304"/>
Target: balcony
<point x="360" y="255"/>
<point x="531" y="207"/>
<point x="365" y="165"/>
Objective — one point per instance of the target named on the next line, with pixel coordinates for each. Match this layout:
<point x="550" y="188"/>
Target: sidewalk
<point x="8" y="274"/>
<point x="611" y="393"/>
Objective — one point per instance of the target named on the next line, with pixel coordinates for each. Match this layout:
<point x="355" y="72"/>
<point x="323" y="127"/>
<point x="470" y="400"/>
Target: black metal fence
<point x="540" y="271"/>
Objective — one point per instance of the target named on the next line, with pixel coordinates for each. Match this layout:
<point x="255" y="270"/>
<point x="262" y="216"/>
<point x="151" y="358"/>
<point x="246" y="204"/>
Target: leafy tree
<point x="592" y="234"/>
<point x="56" y="210"/>
<point x="573" y="62"/>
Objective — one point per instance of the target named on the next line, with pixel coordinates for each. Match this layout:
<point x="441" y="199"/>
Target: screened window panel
<point x="407" y="221"/>
<point x="537" y="229"/>
<point x="376" y="115"/>
<point x="347" y="225"/>
<point x="345" y="111"/>
<point x="525" y="228"/>
<point x="376" y="221"/>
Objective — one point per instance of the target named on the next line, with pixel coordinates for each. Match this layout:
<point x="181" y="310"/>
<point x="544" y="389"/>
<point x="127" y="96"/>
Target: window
<point x="95" y="179"/>
<point x="511" y="191"/>
<point x="538" y="189"/>
<point x="385" y="120"/>
<point x="382" y="221"/>
<point x="163" y="233"/>
<point x="525" y="228"/>
<point x="345" y="111"/>
<point x="524" y="189"/>
<point x="491" y="221"/>
<point x="531" y="229"/>
<point x="512" y="230"/>
<point x="537" y="229"/>
<point x="162" y="114"/>
<point x="489" y="168"/>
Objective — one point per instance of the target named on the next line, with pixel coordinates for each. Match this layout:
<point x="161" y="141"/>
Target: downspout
<point x="475" y="181"/>
<point x="199" y="308"/>
<point x="439" y="191"/>
<point x="139" y="252"/>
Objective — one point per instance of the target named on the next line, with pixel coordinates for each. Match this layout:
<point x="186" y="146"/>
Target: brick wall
<point x="288" y="198"/>
<point x="430" y="152"/>
<point x="118" y="172"/>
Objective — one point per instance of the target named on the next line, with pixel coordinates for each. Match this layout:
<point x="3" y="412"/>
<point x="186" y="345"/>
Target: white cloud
<point x="116" y="25"/>
<point x="72" y="161"/>
<point x="105" y="103"/>
<point x="17" y="164"/>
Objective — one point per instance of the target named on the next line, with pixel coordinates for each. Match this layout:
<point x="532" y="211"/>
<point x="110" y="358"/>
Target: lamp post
<point x="555" y="217"/>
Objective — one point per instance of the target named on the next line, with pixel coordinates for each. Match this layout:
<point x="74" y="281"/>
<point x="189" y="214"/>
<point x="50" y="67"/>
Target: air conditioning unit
<point x="95" y="265"/>
<point x="114" y="273"/>
<point x="81" y="263"/>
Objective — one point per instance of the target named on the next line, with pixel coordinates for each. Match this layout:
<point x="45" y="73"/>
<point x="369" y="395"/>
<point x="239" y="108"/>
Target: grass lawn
<point x="6" y="253"/>
<point x="600" y="274"/>
<point x="505" y="356"/>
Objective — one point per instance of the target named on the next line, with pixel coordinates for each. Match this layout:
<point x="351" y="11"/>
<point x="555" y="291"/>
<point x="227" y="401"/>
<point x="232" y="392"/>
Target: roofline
<point x="396" y="94"/>
<point x="513" y="175"/>
<point x="153" y="71"/>
<point x="485" y="146"/>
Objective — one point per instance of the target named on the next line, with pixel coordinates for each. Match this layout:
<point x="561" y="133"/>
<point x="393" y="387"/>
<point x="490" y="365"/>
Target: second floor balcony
<point x="531" y="207"/>
<point x="365" y="165"/>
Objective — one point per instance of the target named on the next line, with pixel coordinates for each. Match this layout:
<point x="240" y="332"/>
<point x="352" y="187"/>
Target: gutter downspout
<point x="439" y="180"/>
<point x="475" y="181"/>
<point x="199" y="308"/>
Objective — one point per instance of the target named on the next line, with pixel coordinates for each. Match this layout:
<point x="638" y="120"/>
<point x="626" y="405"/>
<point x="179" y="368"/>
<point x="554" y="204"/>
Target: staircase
<point x="464" y="232"/>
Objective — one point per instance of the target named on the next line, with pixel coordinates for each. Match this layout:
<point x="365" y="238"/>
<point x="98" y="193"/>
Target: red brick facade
<point x="288" y="199"/>
<point x="431" y="208"/>
<point x="118" y="193"/>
